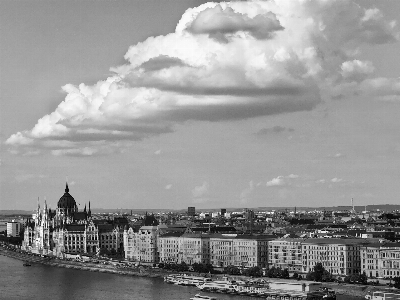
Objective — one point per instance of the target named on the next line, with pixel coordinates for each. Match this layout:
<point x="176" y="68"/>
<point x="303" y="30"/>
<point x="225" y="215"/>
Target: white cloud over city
<point x="224" y="62"/>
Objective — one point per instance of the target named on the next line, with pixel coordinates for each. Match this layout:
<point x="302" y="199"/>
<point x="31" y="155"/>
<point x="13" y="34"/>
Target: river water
<point x="46" y="282"/>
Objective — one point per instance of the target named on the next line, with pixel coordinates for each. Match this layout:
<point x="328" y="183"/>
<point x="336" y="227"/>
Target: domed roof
<point x="67" y="201"/>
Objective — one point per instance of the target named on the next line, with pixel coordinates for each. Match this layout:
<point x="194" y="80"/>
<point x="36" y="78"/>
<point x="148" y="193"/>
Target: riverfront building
<point x="338" y="256"/>
<point x="67" y="230"/>
<point x="189" y="248"/>
<point x="141" y="246"/>
<point x="286" y="253"/>
<point x="239" y="250"/>
<point x="381" y="259"/>
<point x="13" y="229"/>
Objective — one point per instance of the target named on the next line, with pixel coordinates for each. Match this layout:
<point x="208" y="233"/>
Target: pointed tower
<point x="66" y="187"/>
<point x="89" y="212"/>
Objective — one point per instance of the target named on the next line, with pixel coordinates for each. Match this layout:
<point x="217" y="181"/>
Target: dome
<point x="67" y="201"/>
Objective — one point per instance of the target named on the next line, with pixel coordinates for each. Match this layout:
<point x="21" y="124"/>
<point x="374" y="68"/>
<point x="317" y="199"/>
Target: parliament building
<point x="67" y="230"/>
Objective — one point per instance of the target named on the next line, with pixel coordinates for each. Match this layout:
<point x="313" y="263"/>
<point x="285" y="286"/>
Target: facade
<point x="338" y="256"/>
<point x="141" y="246"/>
<point x="221" y="250"/>
<point x="286" y="253"/>
<point x="250" y="251"/>
<point x="13" y="229"/>
<point x="194" y="248"/>
<point x="390" y="256"/>
<point x="169" y="247"/>
<point x="380" y="260"/>
<point x="370" y="260"/>
<point x="191" y="211"/>
<point x="239" y="250"/>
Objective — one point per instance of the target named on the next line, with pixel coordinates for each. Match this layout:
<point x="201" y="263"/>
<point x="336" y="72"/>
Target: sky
<point x="169" y="104"/>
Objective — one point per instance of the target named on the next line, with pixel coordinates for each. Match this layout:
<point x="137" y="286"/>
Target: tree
<point x="318" y="272"/>
<point x="182" y="267"/>
<point x="254" y="271"/>
<point x="285" y="274"/>
<point x="363" y="279"/>
<point x="396" y="282"/>
<point x="232" y="270"/>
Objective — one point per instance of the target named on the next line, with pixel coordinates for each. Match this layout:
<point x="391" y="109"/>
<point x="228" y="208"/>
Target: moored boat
<point x="201" y="297"/>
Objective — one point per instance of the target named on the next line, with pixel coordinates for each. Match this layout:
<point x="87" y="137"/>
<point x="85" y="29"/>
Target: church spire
<point x="66" y="187"/>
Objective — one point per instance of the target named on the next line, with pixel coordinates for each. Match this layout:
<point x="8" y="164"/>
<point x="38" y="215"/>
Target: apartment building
<point x="239" y="250"/>
<point x="390" y="256"/>
<point x="221" y="250"/>
<point x="251" y="251"/>
<point x="338" y="256"/>
<point x="13" y="229"/>
<point x="380" y="259"/>
<point x="286" y="253"/>
<point x="141" y="246"/>
<point x="194" y="248"/>
<point x="370" y="260"/>
<point x="168" y="247"/>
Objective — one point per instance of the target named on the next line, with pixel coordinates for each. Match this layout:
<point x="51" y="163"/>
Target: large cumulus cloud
<point x="225" y="61"/>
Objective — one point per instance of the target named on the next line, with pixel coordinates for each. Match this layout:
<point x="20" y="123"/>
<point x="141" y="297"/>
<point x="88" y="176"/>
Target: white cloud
<point x="382" y="88"/>
<point x="282" y="180"/>
<point x="158" y="152"/>
<point x="356" y="70"/>
<point x="168" y="186"/>
<point x="278" y="181"/>
<point x="293" y="176"/>
<point x="201" y="191"/>
<point x="335" y="180"/>
<point x="249" y="59"/>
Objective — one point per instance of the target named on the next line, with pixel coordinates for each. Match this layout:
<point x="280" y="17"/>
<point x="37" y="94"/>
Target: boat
<point x="26" y="264"/>
<point x="218" y="286"/>
<point x="201" y="297"/>
<point x="183" y="279"/>
<point x="324" y="293"/>
<point x="382" y="295"/>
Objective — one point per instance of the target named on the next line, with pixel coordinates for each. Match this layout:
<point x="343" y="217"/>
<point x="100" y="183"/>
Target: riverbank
<point x="141" y="271"/>
<point x="85" y="266"/>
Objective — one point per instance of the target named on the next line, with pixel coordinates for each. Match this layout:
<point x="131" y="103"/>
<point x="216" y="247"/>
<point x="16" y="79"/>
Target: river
<point x="45" y="282"/>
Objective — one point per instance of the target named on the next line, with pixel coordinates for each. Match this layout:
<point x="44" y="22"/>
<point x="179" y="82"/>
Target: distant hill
<point x="15" y="213"/>
<point x="375" y="207"/>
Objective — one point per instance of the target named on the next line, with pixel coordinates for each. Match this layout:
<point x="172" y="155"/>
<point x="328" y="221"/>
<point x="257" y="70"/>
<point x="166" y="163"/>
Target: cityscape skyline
<point x="171" y="104"/>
